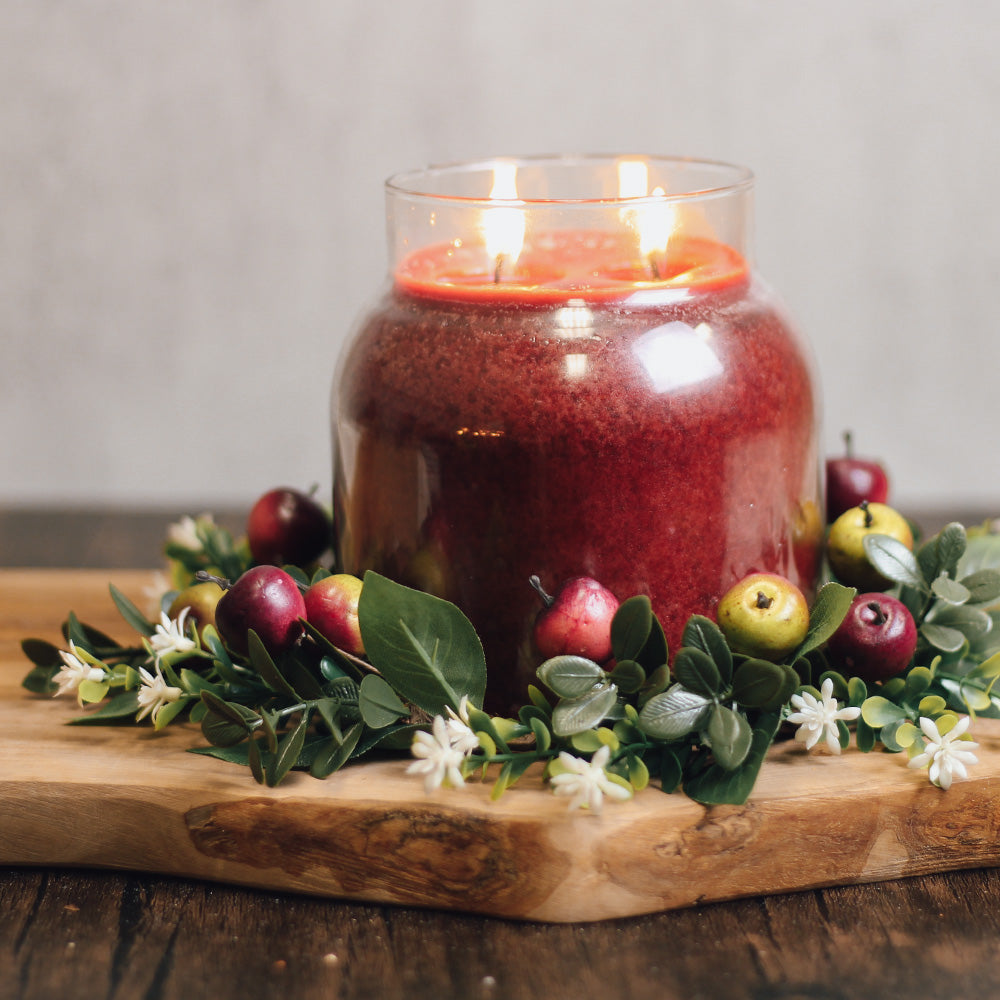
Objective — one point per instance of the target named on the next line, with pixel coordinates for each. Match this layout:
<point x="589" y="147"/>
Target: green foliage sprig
<point x="703" y="725"/>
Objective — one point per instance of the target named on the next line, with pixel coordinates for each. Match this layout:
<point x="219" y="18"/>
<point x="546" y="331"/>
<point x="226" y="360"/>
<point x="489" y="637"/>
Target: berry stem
<point x="536" y="584"/>
<point x="868" y="514"/>
<point x="876" y="609"/>
<point x="203" y="576"/>
<point x="763" y="601"/>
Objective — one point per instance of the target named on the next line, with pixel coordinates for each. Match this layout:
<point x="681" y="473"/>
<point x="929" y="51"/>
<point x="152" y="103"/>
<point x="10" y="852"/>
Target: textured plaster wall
<point x="191" y="208"/>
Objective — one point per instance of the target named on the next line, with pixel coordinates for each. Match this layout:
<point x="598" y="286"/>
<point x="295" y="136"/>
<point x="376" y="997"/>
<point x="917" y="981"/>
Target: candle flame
<point x="655" y="220"/>
<point x="503" y="227"/>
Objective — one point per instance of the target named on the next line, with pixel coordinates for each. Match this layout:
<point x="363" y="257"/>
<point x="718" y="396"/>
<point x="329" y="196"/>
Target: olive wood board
<point x="125" y="797"/>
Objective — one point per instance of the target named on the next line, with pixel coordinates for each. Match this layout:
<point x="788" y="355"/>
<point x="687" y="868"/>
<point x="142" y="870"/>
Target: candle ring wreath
<point x="291" y="666"/>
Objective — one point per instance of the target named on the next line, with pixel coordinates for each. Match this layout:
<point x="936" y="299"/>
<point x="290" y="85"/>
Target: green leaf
<point x="480" y="722"/>
<point x="878" y="712"/>
<point x="717" y="786"/>
<point x="760" y="683"/>
<point x="574" y="715"/>
<point x="135" y="618"/>
<point x="948" y="640"/>
<point x="976" y="698"/>
<point x="989" y="668"/>
<point x="227" y="722"/>
<point x="93" y="691"/>
<point x="971" y="622"/>
<point x="857" y="692"/>
<point x="702" y="633"/>
<point x="941" y="554"/>
<point x="510" y="773"/>
<point x="41" y="653"/>
<point x="671" y="771"/>
<point x="630" y="627"/>
<point x="918" y="680"/>
<point x="697" y="671"/>
<point x="570" y="676"/>
<point x="674" y="713"/>
<point x="638" y="773"/>
<point x="379" y="704"/>
<point x="864" y="736"/>
<point x="288" y="752"/>
<point x="729" y="736"/>
<point x="39" y="680"/>
<point x="983" y="586"/>
<point x="894" y="560"/>
<point x="628" y="676"/>
<point x="168" y="713"/>
<point x="543" y="738"/>
<point x="121" y="706"/>
<point x="828" y="611"/>
<point x="949" y="590"/>
<point x="653" y="654"/>
<point x="335" y="755"/>
<point x="263" y="663"/>
<point x="423" y="646"/>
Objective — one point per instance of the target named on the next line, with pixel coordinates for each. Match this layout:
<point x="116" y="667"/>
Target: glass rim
<point x="406" y="183"/>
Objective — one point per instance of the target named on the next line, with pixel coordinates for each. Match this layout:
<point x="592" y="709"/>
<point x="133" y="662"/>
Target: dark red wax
<point x="481" y="442"/>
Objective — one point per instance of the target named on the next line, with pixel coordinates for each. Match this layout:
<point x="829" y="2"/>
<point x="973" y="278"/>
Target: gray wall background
<point x="191" y="209"/>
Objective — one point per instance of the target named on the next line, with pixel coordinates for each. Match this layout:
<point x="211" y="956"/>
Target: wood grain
<point x="121" y="797"/>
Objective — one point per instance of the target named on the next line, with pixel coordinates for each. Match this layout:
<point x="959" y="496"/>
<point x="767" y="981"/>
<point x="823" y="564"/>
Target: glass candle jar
<point x="574" y="371"/>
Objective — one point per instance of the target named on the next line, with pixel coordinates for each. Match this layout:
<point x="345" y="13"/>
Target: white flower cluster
<point x="818" y="718"/>
<point x="74" y="672"/>
<point x="440" y="752"/>
<point x="946" y="753"/>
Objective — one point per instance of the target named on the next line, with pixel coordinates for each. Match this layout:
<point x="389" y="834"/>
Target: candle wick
<point x="497" y="269"/>
<point x="654" y="267"/>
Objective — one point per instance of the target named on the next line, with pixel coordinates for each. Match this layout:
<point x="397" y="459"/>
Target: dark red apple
<point x="332" y="609"/>
<point x="850" y="480"/>
<point x="577" y="621"/>
<point x="267" y="600"/>
<point x="876" y="639"/>
<point x="287" y="526"/>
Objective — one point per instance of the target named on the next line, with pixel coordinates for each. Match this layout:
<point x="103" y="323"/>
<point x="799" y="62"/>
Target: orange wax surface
<point x="556" y="266"/>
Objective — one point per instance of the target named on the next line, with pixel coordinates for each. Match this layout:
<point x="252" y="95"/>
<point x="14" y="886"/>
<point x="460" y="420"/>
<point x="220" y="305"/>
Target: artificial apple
<point x="286" y="526"/>
<point x="576" y="621"/>
<point x="267" y="600"/>
<point x="201" y="600"/>
<point x="845" y="545"/>
<point x="850" y="480"/>
<point x="876" y="639"/>
<point x="332" y="609"/>
<point x="764" y="615"/>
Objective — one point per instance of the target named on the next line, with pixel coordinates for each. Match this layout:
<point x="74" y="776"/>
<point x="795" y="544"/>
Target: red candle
<point x="582" y="406"/>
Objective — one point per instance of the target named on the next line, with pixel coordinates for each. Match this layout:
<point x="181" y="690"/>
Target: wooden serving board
<point x="125" y="797"/>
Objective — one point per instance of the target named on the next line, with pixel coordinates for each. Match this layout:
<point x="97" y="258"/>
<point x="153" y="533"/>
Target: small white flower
<point x="170" y="637"/>
<point x="74" y="672"/>
<point x="587" y="781"/>
<point x="154" y="695"/>
<point x="819" y="718"/>
<point x="460" y="734"/>
<point x="945" y="752"/>
<point x="438" y="761"/>
<point x="184" y="533"/>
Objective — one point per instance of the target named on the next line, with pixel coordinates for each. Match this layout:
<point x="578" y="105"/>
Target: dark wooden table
<point x="91" y="935"/>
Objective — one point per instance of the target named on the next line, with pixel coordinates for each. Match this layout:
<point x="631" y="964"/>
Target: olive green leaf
<point x="702" y="633"/>
<point x="983" y="586"/>
<point x="628" y="676"/>
<point x="574" y="715"/>
<point x="717" y="786"/>
<point x="697" y="671"/>
<point x="831" y="605"/>
<point x="762" y="684"/>
<point x="135" y="618"/>
<point x="729" y="736"/>
<point x="120" y="707"/>
<point x="570" y="676"/>
<point x="894" y="560"/>
<point x="878" y="711"/>
<point x="335" y="754"/>
<point x="288" y="753"/>
<point x="948" y="640"/>
<point x="379" y="704"/>
<point x="423" y="646"/>
<point x="674" y="713"/>
<point x="950" y="591"/>
<point x="630" y="627"/>
<point x="941" y="554"/>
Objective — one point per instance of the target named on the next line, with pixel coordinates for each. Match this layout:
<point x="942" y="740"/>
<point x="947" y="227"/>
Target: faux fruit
<point x="267" y="600"/>
<point x="850" y="481"/>
<point x="576" y="621"/>
<point x="286" y="526"/>
<point x="876" y="639"/>
<point x="201" y="600"/>
<point x="332" y="609"/>
<point x="845" y="545"/>
<point x="764" y="615"/>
